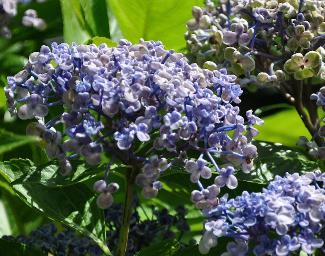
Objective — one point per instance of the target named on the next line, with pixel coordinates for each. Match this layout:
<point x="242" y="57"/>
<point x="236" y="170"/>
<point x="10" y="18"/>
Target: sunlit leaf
<point x="276" y="159"/>
<point x="10" y="141"/>
<point x="73" y="205"/>
<point x="284" y="127"/>
<point x="163" y="20"/>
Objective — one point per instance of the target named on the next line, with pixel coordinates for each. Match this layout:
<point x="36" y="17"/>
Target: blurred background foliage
<point x="97" y="21"/>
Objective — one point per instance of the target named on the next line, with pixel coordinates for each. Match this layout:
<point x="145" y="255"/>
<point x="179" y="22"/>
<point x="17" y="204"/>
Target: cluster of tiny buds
<point x="241" y="34"/>
<point x="105" y="198"/>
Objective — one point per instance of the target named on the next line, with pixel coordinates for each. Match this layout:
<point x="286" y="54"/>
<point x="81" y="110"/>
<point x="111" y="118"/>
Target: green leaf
<point x="97" y="40"/>
<point x="16" y="217"/>
<point x="194" y="249"/>
<point x="84" y="19"/>
<point x="5" y="228"/>
<point x="73" y="205"/>
<point x="166" y="248"/>
<point x="2" y="98"/>
<point x="73" y="23"/>
<point x="276" y="159"/>
<point x="22" y="218"/>
<point x="284" y="127"/>
<point x="162" y="20"/>
<point x="10" y="141"/>
<point x="96" y="16"/>
<point x="49" y="175"/>
<point x="12" y="248"/>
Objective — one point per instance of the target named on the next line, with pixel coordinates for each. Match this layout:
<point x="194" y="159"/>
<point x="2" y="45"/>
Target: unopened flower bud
<point x="100" y="186"/>
<point x="197" y="12"/>
<point x="65" y="167"/>
<point x="104" y="200"/>
<point x="113" y="187"/>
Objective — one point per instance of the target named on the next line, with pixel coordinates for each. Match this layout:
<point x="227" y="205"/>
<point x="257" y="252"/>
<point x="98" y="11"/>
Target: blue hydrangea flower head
<point x="287" y="217"/>
<point x="140" y="104"/>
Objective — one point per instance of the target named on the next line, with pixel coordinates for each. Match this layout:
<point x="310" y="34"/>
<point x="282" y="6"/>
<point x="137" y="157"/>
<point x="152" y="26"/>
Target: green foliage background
<point x="31" y="192"/>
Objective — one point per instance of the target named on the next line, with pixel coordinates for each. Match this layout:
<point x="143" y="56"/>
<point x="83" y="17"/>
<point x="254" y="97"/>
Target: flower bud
<point x="197" y="12"/>
<point x="100" y="186"/>
<point x="104" y="200"/>
<point x="204" y="22"/>
<point x="65" y="167"/>
<point x="262" y="77"/>
<point x="25" y="112"/>
<point x="112" y="187"/>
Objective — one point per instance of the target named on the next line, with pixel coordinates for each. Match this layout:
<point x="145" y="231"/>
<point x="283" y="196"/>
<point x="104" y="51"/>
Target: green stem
<point x="310" y="120"/>
<point x="127" y="213"/>
<point x="104" y="248"/>
<point x="304" y="116"/>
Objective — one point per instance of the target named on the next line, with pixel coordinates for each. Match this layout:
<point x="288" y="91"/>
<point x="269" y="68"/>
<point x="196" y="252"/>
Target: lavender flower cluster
<point x="287" y="217"/>
<point x="137" y="103"/>
<point x="8" y="9"/>
<point x="260" y="41"/>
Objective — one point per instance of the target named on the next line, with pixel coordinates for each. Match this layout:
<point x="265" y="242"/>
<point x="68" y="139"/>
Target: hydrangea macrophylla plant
<point x="9" y="9"/>
<point x="278" y="43"/>
<point x="142" y="105"/>
<point x="287" y="217"/>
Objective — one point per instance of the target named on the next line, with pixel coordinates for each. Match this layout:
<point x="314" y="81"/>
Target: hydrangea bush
<point x="149" y="150"/>
<point x="266" y="43"/>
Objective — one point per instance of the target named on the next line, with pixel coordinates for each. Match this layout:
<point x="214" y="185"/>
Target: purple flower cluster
<point x="8" y="9"/>
<point x="287" y="217"/>
<point x="256" y="39"/>
<point x="137" y="103"/>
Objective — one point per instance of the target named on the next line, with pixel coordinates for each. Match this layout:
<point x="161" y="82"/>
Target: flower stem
<point x="304" y="116"/>
<point x="127" y="213"/>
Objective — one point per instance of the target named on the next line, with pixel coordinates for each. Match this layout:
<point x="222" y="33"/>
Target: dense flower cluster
<point x="142" y="233"/>
<point x="286" y="217"/>
<point x="260" y="41"/>
<point x="8" y="9"/>
<point x="50" y="241"/>
<point x="159" y="226"/>
<point x="137" y="103"/>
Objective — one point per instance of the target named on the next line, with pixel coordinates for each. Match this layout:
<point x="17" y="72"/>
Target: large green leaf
<point x="97" y="40"/>
<point x="84" y="19"/>
<point x="194" y="249"/>
<point x="12" y="248"/>
<point x="73" y="205"/>
<point x="17" y="218"/>
<point x="284" y="127"/>
<point x="95" y="14"/>
<point x="166" y="248"/>
<point x="10" y="141"/>
<point x="276" y="159"/>
<point x="163" y="20"/>
<point x="5" y="228"/>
